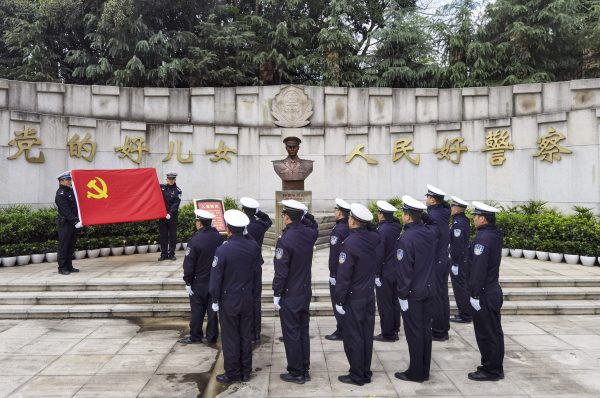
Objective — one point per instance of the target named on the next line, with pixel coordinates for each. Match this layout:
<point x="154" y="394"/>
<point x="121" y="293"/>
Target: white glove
<point x="168" y="217"/>
<point x="305" y="211"/>
<point x="378" y="282"/>
<point x="340" y="309"/>
<point x="332" y="281"/>
<point x="475" y="304"/>
<point x="78" y="225"/>
<point x="455" y="270"/>
<point x="276" y="301"/>
<point x="403" y="304"/>
<point x="215" y="307"/>
<point x="189" y="290"/>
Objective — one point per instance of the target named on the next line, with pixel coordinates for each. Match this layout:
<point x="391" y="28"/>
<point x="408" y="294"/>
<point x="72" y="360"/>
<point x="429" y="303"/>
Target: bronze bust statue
<point x="293" y="170"/>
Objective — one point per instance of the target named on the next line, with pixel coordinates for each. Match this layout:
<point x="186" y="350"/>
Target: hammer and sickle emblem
<point x="101" y="193"/>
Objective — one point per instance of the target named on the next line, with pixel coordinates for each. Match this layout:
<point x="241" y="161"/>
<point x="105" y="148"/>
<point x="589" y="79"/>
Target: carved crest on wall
<point x="291" y="107"/>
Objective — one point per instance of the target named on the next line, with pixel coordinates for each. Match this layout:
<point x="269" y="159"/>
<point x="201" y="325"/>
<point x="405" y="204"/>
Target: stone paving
<point x="546" y="356"/>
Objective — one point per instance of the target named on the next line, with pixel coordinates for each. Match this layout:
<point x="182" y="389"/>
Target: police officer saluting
<point x="485" y="255"/>
<point x="440" y="210"/>
<point x="355" y="298"/>
<point x="235" y="266"/>
<point x="460" y="234"/>
<point x="199" y="256"/>
<point x="385" y="273"/>
<point x="292" y="287"/>
<point x="167" y="226"/>
<point x="256" y="229"/>
<point x="415" y="254"/>
<point x="68" y="223"/>
<point x="339" y="233"/>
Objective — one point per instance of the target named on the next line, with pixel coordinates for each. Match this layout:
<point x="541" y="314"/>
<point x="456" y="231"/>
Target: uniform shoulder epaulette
<point x="344" y="241"/>
<point x="179" y="189"/>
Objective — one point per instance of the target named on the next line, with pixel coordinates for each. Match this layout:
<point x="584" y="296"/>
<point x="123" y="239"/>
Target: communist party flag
<point x="112" y="196"/>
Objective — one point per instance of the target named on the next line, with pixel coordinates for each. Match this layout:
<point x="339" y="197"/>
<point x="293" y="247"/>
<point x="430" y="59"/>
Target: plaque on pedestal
<point x="304" y="197"/>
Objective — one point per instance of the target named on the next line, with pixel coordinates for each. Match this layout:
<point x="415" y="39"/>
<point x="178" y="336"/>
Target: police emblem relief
<point x="400" y="254"/>
<point x="342" y="258"/>
<point x="334" y="240"/>
<point x="215" y="261"/>
<point x="291" y="107"/>
<point x="457" y="232"/>
<point x="478" y="250"/>
<point x="278" y="254"/>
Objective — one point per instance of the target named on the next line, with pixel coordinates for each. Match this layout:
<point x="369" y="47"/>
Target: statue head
<point x="292" y="145"/>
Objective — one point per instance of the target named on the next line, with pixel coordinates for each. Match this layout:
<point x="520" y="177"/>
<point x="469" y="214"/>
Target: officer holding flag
<point x="68" y="223"/>
<point x="167" y="227"/>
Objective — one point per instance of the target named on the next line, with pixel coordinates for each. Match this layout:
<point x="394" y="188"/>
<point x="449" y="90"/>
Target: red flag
<point x="112" y="196"/>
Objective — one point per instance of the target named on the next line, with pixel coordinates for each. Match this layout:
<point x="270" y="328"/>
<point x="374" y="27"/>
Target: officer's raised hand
<point x="340" y="309"/>
<point x="403" y="304"/>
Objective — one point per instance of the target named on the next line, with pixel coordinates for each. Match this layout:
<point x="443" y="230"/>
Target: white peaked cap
<point x="482" y="208"/>
<point x="203" y="214"/>
<point x="171" y="174"/>
<point x="236" y="218"/>
<point x="459" y="202"/>
<point x="342" y="204"/>
<point x="249" y="203"/>
<point x="433" y="191"/>
<point x="360" y="212"/>
<point x="385" y="207"/>
<point x="412" y="204"/>
<point x="293" y="205"/>
<point x="66" y="174"/>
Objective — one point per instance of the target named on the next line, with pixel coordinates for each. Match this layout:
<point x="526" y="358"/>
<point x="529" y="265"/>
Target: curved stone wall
<point x="432" y="126"/>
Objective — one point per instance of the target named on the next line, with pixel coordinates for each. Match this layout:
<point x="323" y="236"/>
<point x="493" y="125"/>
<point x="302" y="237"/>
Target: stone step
<point x="543" y="307"/>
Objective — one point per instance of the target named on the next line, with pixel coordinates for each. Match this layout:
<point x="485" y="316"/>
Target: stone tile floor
<point x="546" y="356"/>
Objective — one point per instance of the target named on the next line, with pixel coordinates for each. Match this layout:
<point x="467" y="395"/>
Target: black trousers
<point x="256" y="305"/>
<point x="295" y="317"/>
<point x="441" y="305"/>
<point x="488" y="330"/>
<point x="168" y="235"/>
<point x="359" y="325"/>
<point x="387" y="304"/>
<point x="236" y="322"/>
<point x="417" y="329"/>
<point x="461" y="294"/>
<point x="67" y="238"/>
<point x="338" y="316"/>
<point x="201" y="303"/>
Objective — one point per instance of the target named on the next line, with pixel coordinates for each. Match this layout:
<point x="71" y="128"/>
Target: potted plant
<point x="142" y="243"/>
<point x="587" y="253"/>
<point x="117" y="245"/>
<point x="555" y="247"/>
<point x="51" y="249"/>
<point x="505" y="249"/>
<point x="571" y="252"/>
<point x="80" y="252"/>
<point x="23" y="253"/>
<point x="528" y="249"/>
<point x="153" y="247"/>
<point x="515" y="244"/>
<point x="37" y="253"/>
<point x="9" y="256"/>
<point x="129" y="249"/>
<point x="541" y="250"/>
<point x="92" y="248"/>
<point x="104" y="247"/>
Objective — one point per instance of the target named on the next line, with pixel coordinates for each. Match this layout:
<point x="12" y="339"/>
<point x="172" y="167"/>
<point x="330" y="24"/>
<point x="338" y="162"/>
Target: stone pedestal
<point x="304" y="197"/>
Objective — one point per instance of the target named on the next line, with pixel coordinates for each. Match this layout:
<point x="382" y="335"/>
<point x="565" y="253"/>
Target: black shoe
<point x="334" y="337"/>
<point x="460" y="320"/>
<point x="281" y="338"/>
<point x="172" y="258"/>
<point x="348" y="380"/>
<point x="245" y="379"/>
<point x="446" y="337"/>
<point x="367" y="381"/>
<point x="211" y="342"/>
<point x="222" y="378"/>
<point x="482" y="376"/>
<point x="73" y="269"/>
<point x="255" y="339"/>
<point x="64" y="272"/>
<point x="306" y="376"/>
<point x="161" y="258"/>
<point x="403" y="376"/>
<point x="291" y="379"/>
<point x="190" y="341"/>
<point x="380" y="337"/>
<point x="500" y="376"/>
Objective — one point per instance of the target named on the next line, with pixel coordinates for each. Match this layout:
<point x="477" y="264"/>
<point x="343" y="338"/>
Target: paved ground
<point x="546" y="356"/>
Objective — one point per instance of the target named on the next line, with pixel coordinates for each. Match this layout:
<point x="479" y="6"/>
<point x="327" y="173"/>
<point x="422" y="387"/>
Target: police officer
<point x="440" y="210"/>
<point x="460" y="234"/>
<point x="199" y="255"/>
<point x="235" y="266"/>
<point x="385" y="273"/>
<point x="167" y="226"/>
<point x="68" y="223"/>
<point x="292" y="287"/>
<point x="354" y="295"/>
<point x="339" y="233"/>
<point x="256" y="229"/>
<point x="415" y="265"/>
<point x="485" y="254"/>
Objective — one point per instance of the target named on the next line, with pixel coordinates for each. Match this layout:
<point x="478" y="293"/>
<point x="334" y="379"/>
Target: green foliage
<point x="395" y="201"/>
<point x="16" y="209"/>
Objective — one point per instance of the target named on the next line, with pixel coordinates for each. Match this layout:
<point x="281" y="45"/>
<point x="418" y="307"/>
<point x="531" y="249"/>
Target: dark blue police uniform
<point x="257" y="229"/>
<point x="485" y="255"/>
<point x="339" y="233"/>
<point x="354" y="292"/>
<point x="385" y="270"/>
<point x="68" y="216"/>
<point x="199" y="256"/>
<point x="415" y="265"/>
<point x="235" y="267"/>
<point x="460" y="235"/>
<point x="168" y="228"/>
<point x="441" y="305"/>
<point x="292" y="282"/>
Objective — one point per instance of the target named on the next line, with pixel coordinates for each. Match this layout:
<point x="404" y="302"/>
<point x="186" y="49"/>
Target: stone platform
<point x="139" y="286"/>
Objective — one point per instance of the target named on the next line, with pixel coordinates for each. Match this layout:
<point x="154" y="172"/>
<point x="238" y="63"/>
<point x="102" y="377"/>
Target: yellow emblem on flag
<point x="101" y="193"/>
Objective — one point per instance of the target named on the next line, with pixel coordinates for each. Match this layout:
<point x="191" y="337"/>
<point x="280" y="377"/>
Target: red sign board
<point x="216" y="207"/>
